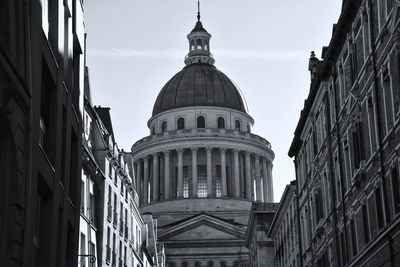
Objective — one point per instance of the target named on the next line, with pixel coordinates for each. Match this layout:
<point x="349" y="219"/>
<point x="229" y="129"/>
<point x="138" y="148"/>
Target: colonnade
<point x="242" y="174"/>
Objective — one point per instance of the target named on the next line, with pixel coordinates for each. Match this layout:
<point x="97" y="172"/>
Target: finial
<point x="198" y="10"/>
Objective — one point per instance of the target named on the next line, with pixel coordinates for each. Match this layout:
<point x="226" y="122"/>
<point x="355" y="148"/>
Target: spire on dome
<point x="198" y="10"/>
<point x="199" y="43"/>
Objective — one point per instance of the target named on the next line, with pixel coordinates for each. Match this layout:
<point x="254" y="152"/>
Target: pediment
<point x="202" y="227"/>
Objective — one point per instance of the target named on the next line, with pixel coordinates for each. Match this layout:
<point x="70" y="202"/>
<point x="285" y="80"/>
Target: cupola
<point x="199" y="44"/>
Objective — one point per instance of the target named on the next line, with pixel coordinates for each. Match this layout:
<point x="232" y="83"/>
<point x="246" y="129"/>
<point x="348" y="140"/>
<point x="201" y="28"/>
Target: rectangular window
<point x="372" y="124"/>
<point x="395" y="189"/>
<point x="83" y="250"/>
<point x="353" y="237"/>
<point x="347" y="164"/>
<point x="202" y="181"/>
<point x="379" y="208"/>
<point x="365" y="224"/>
<point x="218" y="185"/>
<point x="185" y="182"/>
<point x="388" y="99"/>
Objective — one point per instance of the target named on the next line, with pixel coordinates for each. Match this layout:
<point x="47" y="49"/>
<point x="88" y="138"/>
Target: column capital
<point x="209" y="148"/>
<point x="248" y="153"/>
<point x="236" y="150"/>
<point x="180" y="149"/>
<point x="166" y="152"/>
<point x="155" y="154"/>
<point x="223" y="149"/>
<point x="194" y="149"/>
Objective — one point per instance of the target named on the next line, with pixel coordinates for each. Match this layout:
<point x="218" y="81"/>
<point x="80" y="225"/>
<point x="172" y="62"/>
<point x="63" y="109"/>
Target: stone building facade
<point x="201" y="168"/>
<point x="283" y="230"/>
<point x="123" y="236"/>
<point x="259" y="243"/>
<point x="347" y="141"/>
<point x="41" y="100"/>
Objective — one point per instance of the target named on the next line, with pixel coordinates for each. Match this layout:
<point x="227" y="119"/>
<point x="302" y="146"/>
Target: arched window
<point x="201" y="122"/>
<point x="248" y="128"/>
<point x="192" y="45"/>
<point x="181" y="123"/>
<point x="237" y="125"/>
<point x="153" y="130"/>
<point x="221" y="123"/>
<point x="199" y="43"/>
<point x="163" y="126"/>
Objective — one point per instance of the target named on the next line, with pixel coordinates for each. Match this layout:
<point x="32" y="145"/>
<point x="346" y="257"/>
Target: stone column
<point x="270" y="183"/>
<point x="156" y="190"/>
<point x="180" y="173"/>
<point x="194" y="171"/>
<point x="258" y="179"/>
<point x="265" y="180"/>
<point x="248" y="176"/>
<point x="236" y="172"/>
<point x="146" y="180"/>
<point x="167" y="182"/>
<point x="209" y="172"/>
<point x="223" y="172"/>
<point x="139" y="179"/>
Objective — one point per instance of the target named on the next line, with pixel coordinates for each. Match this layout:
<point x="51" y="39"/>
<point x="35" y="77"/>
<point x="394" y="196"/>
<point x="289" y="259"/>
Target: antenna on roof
<point x="198" y="10"/>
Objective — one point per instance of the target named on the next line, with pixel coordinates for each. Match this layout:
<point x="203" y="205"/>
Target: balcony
<point x="201" y="133"/>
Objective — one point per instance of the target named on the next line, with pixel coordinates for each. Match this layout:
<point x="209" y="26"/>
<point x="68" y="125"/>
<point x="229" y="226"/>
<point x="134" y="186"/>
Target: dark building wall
<point x="346" y="145"/>
<point x="40" y="100"/>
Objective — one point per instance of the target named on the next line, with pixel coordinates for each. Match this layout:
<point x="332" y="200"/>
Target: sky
<point x="135" y="46"/>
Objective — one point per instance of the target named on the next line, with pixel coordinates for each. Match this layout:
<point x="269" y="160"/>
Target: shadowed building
<point x="347" y="142"/>
<point x="41" y="100"/>
<point x="201" y="168"/>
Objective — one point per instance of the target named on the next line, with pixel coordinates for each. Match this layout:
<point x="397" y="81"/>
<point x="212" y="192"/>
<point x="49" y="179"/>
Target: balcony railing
<point x="203" y="133"/>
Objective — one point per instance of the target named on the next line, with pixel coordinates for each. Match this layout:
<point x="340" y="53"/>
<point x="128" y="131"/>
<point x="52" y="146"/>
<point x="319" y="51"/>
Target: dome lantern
<point x="199" y="44"/>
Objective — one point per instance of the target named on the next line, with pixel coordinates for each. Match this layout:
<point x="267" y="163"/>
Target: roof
<point x="199" y="85"/>
<point x="104" y="114"/>
<point x="198" y="27"/>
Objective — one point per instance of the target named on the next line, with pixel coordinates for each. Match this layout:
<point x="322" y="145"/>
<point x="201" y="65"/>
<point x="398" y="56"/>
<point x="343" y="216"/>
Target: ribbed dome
<point x="199" y="85"/>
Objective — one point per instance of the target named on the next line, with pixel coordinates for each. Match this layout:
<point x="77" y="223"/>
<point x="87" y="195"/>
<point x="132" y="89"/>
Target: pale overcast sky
<point x="135" y="46"/>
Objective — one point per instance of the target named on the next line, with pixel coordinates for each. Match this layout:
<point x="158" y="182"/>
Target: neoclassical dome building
<point x="201" y="168"/>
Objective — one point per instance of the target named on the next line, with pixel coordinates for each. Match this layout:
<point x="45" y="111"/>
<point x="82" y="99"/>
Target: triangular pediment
<point x="202" y="227"/>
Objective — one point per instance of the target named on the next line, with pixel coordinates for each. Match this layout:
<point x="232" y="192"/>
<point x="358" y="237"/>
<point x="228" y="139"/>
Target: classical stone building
<point x="283" y="230"/>
<point x="346" y="144"/>
<point x="259" y="243"/>
<point x="201" y="168"/>
<point x="41" y="100"/>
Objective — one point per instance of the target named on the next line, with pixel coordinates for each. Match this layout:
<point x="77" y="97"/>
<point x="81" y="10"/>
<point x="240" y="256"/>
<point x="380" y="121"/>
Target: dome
<point x="199" y="85"/>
